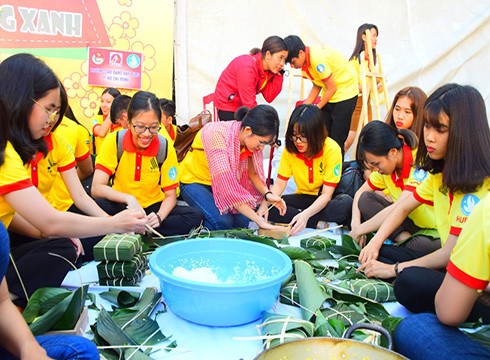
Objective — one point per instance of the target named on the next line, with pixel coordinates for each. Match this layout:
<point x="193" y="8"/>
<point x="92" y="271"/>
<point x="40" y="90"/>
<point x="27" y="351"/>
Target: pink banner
<point x="51" y="24"/>
<point x="114" y="68"/>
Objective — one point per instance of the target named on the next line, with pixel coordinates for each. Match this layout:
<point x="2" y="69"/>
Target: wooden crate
<point x="276" y="234"/>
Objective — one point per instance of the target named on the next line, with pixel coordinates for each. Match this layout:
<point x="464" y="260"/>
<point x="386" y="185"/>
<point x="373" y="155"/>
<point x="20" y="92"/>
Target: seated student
<point x="462" y="295"/>
<point x="223" y="173"/>
<point x="101" y="124"/>
<point x="30" y="94"/>
<point x="454" y="119"/>
<point x="314" y="161"/>
<point x="17" y="341"/>
<point x="168" y="115"/>
<point x="140" y="181"/>
<point x="58" y="164"/>
<point x="119" y="112"/>
<point x="390" y="154"/>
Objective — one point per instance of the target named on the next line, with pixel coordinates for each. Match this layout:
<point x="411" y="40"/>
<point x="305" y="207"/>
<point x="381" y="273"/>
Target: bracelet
<point x="159" y="218"/>
<point x="267" y="193"/>
<point x="396" y="268"/>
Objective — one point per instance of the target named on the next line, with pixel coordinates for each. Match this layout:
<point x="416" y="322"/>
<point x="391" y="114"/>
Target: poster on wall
<point x="114" y="68"/>
<point x="61" y="32"/>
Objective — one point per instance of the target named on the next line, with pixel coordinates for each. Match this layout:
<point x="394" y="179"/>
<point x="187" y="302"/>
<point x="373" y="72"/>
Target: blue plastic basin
<point x="249" y="274"/>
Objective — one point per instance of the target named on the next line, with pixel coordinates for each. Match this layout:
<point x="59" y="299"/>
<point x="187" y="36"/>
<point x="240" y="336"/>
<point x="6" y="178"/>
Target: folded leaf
<point x="311" y="296"/>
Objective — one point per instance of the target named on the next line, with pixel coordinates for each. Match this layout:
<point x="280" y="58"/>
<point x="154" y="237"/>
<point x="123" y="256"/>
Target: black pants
<point x="371" y="204"/>
<point x="180" y="221"/>
<point x="226" y="115"/>
<point x="416" y="288"/>
<point x="338" y="209"/>
<point x="35" y="266"/>
<point x="337" y="117"/>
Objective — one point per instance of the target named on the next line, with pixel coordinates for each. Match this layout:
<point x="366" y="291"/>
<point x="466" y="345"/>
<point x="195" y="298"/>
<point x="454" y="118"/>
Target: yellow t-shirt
<point x="462" y="205"/>
<point x="194" y="168"/>
<point x="470" y="258"/>
<point x="451" y="210"/>
<point x="410" y="178"/>
<point x="97" y="121"/>
<point x="323" y="62"/>
<point x="78" y="140"/>
<point x="137" y="172"/>
<point x="13" y="177"/>
<point x="325" y="168"/>
<point x="45" y="169"/>
<point x="170" y="136"/>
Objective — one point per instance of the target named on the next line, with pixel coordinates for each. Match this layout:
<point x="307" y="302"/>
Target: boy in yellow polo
<point x="331" y="75"/>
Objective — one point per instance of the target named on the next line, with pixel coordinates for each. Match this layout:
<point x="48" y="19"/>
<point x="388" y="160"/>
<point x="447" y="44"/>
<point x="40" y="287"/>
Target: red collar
<point x="260" y="68"/>
<point x="49" y="142"/>
<point x="171" y="133"/>
<point x="151" y="150"/>
<point x="245" y="154"/>
<point x="307" y="161"/>
<point x="406" y="167"/>
<point x="115" y="127"/>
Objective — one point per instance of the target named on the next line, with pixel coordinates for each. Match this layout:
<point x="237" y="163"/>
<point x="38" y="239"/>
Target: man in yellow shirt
<point x="332" y="75"/>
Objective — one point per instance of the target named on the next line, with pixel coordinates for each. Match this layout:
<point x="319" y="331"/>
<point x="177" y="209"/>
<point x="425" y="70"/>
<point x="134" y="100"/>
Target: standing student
<point x="463" y="294"/>
<point x="16" y="339"/>
<point x="390" y="153"/>
<point x="455" y="153"/>
<point x="30" y="92"/>
<point x="248" y="75"/>
<point x="101" y="124"/>
<point x="331" y="75"/>
<point x="141" y="180"/>
<point x="168" y="116"/>
<point x="406" y="110"/>
<point x="223" y="172"/>
<point x="315" y="162"/>
<point x="355" y="62"/>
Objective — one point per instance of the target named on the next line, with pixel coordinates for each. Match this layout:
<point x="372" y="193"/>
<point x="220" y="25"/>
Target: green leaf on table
<point x="274" y="324"/>
<point x="121" y="298"/>
<point x="311" y="295"/>
<point x="34" y="307"/>
<point x="329" y="328"/>
<point x="348" y="247"/>
<point x="297" y="253"/>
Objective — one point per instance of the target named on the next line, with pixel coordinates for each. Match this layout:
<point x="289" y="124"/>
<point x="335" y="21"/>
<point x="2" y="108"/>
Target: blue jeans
<point x="423" y="337"/>
<point x="201" y="197"/>
<point x="63" y="347"/>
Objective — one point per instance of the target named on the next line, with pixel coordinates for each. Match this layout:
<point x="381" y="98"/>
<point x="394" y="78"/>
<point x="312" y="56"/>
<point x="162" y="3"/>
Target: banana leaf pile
<point x="128" y="331"/>
<point x="54" y="309"/>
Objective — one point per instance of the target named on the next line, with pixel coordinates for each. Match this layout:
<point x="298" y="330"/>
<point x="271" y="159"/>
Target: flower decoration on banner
<point x="127" y="3"/>
<point x="76" y="85"/>
<point x="148" y="52"/>
<point x="90" y="104"/>
<point x="116" y="37"/>
<point x="128" y="23"/>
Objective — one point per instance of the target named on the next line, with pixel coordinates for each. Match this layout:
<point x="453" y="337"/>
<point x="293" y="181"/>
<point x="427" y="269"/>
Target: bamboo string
<point x="18" y="275"/>
<point x="148" y="227"/>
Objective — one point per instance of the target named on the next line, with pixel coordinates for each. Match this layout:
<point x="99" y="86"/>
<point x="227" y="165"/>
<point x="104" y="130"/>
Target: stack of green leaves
<point x="54" y="309"/>
<point x="128" y="331"/>
<point x="122" y="263"/>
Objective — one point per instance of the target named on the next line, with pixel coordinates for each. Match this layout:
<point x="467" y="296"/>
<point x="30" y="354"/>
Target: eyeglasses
<point x="52" y="116"/>
<point x="300" y="138"/>
<point x="140" y="129"/>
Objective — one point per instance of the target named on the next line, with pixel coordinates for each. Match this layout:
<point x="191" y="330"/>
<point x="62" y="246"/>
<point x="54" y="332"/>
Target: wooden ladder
<point x="372" y="76"/>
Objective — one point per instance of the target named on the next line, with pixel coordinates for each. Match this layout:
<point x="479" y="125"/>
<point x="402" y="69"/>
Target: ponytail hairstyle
<point x="262" y="119"/>
<point x="272" y="44"/>
<point x="467" y="163"/>
<point x="24" y="78"/>
<point x="359" y="47"/>
<point x="378" y="138"/>
<point x="309" y="123"/>
<point x="144" y="101"/>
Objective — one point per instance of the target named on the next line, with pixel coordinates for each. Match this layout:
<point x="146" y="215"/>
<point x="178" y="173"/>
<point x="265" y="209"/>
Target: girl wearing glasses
<point x="139" y="182"/>
<point x="315" y="162"/>
<point x="30" y="92"/>
<point x="223" y="173"/>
